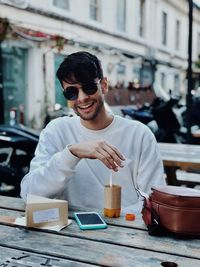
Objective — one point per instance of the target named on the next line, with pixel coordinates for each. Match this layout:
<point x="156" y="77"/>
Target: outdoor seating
<point x="180" y="162"/>
<point x="123" y="243"/>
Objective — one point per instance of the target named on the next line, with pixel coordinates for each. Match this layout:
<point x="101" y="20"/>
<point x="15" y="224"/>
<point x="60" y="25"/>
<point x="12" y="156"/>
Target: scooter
<point x="143" y="114"/>
<point x="159" y="117"/>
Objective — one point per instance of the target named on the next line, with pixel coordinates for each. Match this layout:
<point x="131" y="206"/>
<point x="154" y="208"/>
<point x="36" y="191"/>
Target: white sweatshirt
<point x="55" y="172"/>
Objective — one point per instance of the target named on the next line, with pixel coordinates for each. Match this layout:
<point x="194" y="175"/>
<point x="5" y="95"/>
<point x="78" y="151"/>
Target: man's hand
<point x="101" y="150"/>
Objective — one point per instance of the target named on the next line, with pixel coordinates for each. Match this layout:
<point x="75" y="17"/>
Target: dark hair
<point x="81" y="67"/>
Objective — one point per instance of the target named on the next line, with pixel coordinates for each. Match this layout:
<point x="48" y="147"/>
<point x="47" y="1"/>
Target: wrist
<point x="72" y="149"/>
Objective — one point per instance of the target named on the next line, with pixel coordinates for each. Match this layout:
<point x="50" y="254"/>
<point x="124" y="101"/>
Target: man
<point x="75" y="156"/>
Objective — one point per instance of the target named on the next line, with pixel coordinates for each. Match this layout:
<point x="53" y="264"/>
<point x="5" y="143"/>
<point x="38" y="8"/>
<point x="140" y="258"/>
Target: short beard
<point x="94" y="115"/>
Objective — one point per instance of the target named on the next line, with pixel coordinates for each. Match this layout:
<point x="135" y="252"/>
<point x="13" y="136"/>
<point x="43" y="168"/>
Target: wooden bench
<point x="189" y="179"/>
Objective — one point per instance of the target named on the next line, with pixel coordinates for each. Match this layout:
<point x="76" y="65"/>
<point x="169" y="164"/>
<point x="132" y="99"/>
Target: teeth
<point x="85" y="106"/>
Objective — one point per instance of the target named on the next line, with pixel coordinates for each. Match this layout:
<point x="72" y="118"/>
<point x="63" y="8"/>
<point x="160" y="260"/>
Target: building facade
<point x="145" y="40"/>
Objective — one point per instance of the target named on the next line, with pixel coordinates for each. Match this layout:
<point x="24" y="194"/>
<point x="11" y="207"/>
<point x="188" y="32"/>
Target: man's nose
<point x="82" y="95"/>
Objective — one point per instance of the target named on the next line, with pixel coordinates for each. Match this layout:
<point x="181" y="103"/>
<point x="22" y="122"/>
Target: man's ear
<point x="104" y="85"/>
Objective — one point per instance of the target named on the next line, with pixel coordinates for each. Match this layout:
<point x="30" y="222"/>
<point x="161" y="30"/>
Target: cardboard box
<point x="41" y="211"/>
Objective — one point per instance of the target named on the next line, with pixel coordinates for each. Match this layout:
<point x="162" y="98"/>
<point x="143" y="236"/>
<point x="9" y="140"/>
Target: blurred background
<point x="149" y="49"/>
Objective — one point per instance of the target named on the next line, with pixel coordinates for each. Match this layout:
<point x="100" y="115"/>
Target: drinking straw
<point x="111" y="178"/>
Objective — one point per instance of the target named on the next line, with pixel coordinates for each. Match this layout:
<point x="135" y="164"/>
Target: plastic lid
<point x="130" y="216"/>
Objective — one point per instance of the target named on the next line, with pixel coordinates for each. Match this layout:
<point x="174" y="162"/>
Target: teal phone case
<point x="103" y="225"/>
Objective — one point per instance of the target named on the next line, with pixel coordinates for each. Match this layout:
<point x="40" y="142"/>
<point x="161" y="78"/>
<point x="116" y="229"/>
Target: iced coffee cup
<point x="112" y="201"/>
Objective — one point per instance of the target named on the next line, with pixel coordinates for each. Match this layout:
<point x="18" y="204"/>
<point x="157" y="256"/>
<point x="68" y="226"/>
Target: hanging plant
<point x="3" y="28"/>
<point x="59" y="42"/>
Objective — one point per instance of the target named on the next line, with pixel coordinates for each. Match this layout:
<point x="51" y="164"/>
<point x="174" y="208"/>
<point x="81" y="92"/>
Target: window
<point x="176" y="83"/>
<point x="62" y="4"/>
<point x="146" y="75"/>
<point x="121" y="69"/>
<point x="198" y="45"/>
<point x="164" y="28"/>
<point x="163" y="80"/>
<point x="142" y="18"/>
<point x="95" y="10"/>
<point x="121" y="15"/>
<point x="136" y="72"/>
<point x="177" y="35"/>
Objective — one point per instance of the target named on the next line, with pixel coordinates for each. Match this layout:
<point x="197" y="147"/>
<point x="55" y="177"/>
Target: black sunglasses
<point x="71" y="92"/>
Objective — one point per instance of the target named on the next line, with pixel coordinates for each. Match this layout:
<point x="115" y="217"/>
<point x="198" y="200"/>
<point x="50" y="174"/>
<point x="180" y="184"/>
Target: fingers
<point x="110" y="156"/>
<point x="107" y="160"/>
<point x="117" y="154"/>
<point x="100" y="149"/>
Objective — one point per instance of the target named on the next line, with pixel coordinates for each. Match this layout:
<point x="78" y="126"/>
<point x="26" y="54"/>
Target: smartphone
<point x="89" y="220"/>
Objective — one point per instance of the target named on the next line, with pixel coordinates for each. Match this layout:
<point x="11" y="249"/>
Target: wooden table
<point x="174" y="156"/>
<point x="123" y="243"/>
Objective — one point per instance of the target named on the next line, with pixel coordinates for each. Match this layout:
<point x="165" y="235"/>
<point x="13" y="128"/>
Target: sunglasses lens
<point x="71" y="93"/>
<point x="90" y="88"/>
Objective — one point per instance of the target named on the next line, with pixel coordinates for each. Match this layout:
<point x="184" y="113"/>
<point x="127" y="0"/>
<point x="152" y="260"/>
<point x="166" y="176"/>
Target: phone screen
<point x="89" y="218"/>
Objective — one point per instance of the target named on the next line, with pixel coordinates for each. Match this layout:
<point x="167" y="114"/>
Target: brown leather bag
<point x="173" y="209"/>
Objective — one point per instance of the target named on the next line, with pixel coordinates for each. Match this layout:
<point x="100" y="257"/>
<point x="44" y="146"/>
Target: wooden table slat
<point x="20" y="258"/>
<point x="89" y="252"/>
<point x="129" y="237"/>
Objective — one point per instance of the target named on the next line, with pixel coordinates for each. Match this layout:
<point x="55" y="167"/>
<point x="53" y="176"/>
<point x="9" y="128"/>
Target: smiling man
<point x="75" y="155"/>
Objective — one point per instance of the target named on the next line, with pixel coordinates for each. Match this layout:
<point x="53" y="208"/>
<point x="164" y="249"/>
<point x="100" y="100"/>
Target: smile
<point x="86" y="106"/>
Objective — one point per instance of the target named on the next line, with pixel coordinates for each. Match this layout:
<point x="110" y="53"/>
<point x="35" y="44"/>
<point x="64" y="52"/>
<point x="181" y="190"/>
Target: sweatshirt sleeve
<point x="51" y="167"/>
<point x="150" y="167"/>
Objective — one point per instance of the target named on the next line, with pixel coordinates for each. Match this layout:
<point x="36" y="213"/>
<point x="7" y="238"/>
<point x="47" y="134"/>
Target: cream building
<point x="140" y="39"/>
